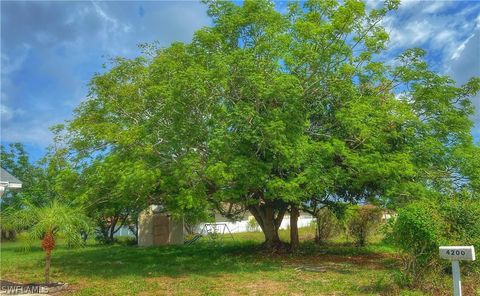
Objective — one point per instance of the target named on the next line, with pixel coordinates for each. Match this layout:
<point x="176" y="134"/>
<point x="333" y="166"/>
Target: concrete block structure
<point x="157" y="228"/>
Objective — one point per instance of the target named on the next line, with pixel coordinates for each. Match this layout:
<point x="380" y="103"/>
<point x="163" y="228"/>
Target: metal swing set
<point x="213" y="231"/>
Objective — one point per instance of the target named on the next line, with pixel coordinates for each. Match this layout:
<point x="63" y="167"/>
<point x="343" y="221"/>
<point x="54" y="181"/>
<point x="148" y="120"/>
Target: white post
<point x="457" y="283"/>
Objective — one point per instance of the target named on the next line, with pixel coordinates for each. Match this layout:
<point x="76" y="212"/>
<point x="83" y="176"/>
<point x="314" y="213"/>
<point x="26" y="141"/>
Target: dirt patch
<point x="469" y="288"/>
<point x="371" y="261"/>
<point x="163" y="279"/>
<point x="165" y="285"/>
<point x="262" y="287"/>
<point x="223" y="284"/>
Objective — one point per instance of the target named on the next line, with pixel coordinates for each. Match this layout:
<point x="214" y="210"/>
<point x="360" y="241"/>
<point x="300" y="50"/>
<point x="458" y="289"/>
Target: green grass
<point x="213" y="268"/>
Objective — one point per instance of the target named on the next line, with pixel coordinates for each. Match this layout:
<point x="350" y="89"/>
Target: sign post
<point x="456" y="254"/>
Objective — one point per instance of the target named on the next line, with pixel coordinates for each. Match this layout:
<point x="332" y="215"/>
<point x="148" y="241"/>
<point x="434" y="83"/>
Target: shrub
<point x="362" y="222"/>
<point x="191" y="225"/>
<point x="126" y="240"/>
<point x="463" y="221"/>
<point x="462" y="218"/>
<point x="252" y="225"/>
<point x="327" y="225"/>
<point x="418" y="232"/>
<point x="421" y="227"/>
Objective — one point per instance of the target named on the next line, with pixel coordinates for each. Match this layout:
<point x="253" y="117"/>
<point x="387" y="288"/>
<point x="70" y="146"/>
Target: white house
<point x="7" y="181"/>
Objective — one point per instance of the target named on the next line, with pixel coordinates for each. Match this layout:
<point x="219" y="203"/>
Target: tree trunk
<point x="269" y="221"/>
<point x="48" y="244"/>
<point x="84" y="236"/>
<point x="270" y="230"/>
<point x="48" y="259"/>
<point x="294" y="241"/>
<point x="318" y="238"/>
<point x="113" y="223"/>
<point x="134" y="229"/>
<point x="8" y="235"/>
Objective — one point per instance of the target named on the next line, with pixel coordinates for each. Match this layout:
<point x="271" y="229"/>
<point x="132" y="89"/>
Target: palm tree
<point x="47" y="222"/>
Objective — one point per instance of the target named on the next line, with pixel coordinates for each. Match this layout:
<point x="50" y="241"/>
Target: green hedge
<point x="422" y="226"/>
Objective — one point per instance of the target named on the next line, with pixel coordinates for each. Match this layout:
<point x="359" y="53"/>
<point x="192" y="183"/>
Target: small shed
<point x="7" y="181"/>
<point x="157" y="228"/>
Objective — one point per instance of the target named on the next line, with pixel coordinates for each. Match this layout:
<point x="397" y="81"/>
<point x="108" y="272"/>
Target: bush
<point x="327" y="225"/>
<point x="418" y="232"/>
<point x="421" y="227"/>
<point x="252" y="225"/>
<point x="462" y="218"/>
<point x="362" y="222"/>
<point x="463" y="221"/>
<point x="126" y="240"/>
<point x="191" y="225"/>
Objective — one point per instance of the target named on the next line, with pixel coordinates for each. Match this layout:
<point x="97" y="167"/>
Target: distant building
<point x="7" y="181"/>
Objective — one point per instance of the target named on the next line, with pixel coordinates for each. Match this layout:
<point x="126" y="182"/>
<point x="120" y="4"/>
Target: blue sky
<point x="51" y="49"/>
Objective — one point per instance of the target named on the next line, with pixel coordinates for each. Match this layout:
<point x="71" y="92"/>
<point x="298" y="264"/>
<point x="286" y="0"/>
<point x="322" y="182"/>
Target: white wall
<point x="124" y="231"/>
<point x="242" y="226"/>
<point x="235" y="227"/>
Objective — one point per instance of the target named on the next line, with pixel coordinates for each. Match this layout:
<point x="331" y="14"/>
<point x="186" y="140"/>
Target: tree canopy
<point x="269" y="111"/>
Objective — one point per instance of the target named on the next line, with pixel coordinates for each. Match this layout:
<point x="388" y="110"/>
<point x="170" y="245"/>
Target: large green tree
<point x="16" y="161"/>
<point x="114" y="190"/>
<point x="270" y="111"/>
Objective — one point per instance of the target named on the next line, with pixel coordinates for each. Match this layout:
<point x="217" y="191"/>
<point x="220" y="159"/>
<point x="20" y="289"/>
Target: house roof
<point x="7" y="179"/>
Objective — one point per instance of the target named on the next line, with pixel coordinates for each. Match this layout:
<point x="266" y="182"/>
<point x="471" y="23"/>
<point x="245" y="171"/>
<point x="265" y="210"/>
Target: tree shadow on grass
<point x="173" y="261"/>
<point x="346" y="248"/>
<point x="203" y="258"/>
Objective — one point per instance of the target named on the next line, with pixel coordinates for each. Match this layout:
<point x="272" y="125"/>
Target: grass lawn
<point x="228" y="268"/>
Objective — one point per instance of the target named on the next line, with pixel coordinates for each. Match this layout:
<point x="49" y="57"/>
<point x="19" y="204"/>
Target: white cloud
<point x="425" y="6"/>
<point x="448" y="30"/>
<point x="444" y="37"/>
<point x="37" y="134"/>
<point x="443" y="28"/>
<point x="111" y="24"/>
<point x="458" y="51"/>
<point x="104" y="16"/>
<point x="6" y="113"/>
<point x="89" y="30"/>
<point x="436" y="6"/>
<point x="50" y="50"/>
<point x="466" y="65"/>
<point x="9" y="64"/>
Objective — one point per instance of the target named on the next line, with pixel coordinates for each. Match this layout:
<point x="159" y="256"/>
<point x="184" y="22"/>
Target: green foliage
<point x="35" y="182"/>
<point x="462" y="217"/>
<point x="421" y="227"/>
<point x="126" y="240"/>
<point x="193" y="220"/>
<point x="265" y="109"/>
<point x="48" y="222"/>
<point x="252" y="225"/>
<point x="42" y="182"/>
<point x="362" y="222"/>
<point x="55" y="218"/>
<point x="418" y="232"/>
<point x="327" y="225"/>
<point x="114" y="190"/>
